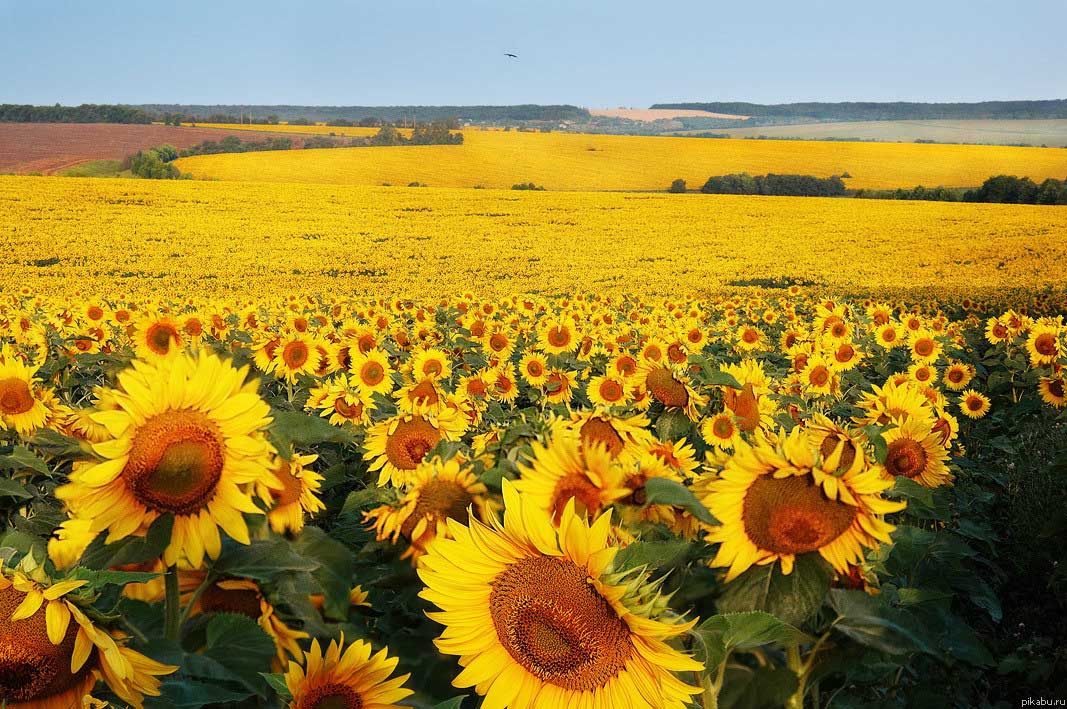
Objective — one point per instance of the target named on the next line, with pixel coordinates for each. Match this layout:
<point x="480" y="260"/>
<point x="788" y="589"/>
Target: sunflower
<point x="348" y="679"/>
<point x="891" y="401"/>
<point x="185" y="438"/>
<point x="819" y="376"/>
<point x="22" y="399"/>
<point x="297" y="495"/>
<point x="720" y="430"/>
<point x="157" y="338"/>
<point x="503" y="386"/>
<point x="1052" y="391"/>
<point x="425" y="396"/>
<point x="49" y="662"/>
<point x="341" y="401"/>
<point x="556" y="336"/>
<point x="245" y="597"/>
<point x="925" y="348"/>
<point x="293" y="357"/>
<point x="889" y="336"/>
<point x="433" y="364"/>
<point x="370" y="372"/>
<point x="974" y="404"/>
<point x="566" y="468"/>
<point x="772" y="507"/>
<point x="619" y="435"/>
<point x="608" y="390"/>
<point x="958" y="375"/>
<point x="396" y="446"/>
<point x="915" y="451"/>
<point x="669" y="386"/>
<point x="996" y="331"/>
<point x="749" y="338"/>
<point x="1043" y="344"/>
<point x="559" y="386"/>
<point x="678" y="455"/>
<point x="438" y="492"/>
<point x="538" y="617"/>
<point x="534" y="369"/>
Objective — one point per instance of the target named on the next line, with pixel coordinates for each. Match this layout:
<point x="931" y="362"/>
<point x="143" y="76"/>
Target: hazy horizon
<point x="598" y="55"/>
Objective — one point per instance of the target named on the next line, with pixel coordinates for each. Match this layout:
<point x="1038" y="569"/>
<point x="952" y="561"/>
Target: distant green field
<point x="1051" y="132"/>
<point x="96" y="168"/>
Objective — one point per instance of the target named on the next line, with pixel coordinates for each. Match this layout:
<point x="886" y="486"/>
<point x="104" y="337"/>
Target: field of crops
<point x="564" y="161"/>
<point x="327" y="445"/>
<point x="1051" y="132"/>
<point x="142" y="237"/>
<point x="51" y="147"/>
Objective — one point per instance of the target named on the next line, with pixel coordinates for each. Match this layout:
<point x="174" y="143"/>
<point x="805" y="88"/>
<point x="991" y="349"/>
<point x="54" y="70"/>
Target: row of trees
<point x="436" y="133"/>
<point x="774" y="185"/>
<point x="155" y="163"/>
<point x="85" y="113"/>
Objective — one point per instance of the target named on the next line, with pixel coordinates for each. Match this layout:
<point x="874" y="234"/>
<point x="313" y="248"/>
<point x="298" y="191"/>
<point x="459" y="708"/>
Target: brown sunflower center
<point x="160" y="336"/>
<point x="498" y="342"/>
<point x="291" y="486"/>
<point x="723" y="427"/>
<point x="555" y="624"/>
<point x="15" y="396"/>
<point x="955" y="375"/>
<point x="441" y="499"/>
<point x="175" y="462"/>
<point x="599" y="431"/>
<point x="848" y="451"/>
<point x="974" y="403"/>
<point x="905" y="457"/>
<point x="349" y="411"/>
<point x="535" y="368"/>
<point x="1056" y="388"/>
<point x="331" y="696"/>
<point x="668" y="390"/>
<point x="31" y="667"/>
<point x="792" y="516"/>
<point x="559" y="337"/>
<point x="410" y="442"/>
<point x="743" y="404"/>
<point x="1045" y="344"/>
<point x="819" y="375"/>
<point x="610" y="390"/>
<point x="424" y="394"/>
<point x="295" y="355"/>
<point x="372" y="373"/>
<point x="924" y="347"/>
<point x="586" y="495"/>
<point x="243" y="601"/>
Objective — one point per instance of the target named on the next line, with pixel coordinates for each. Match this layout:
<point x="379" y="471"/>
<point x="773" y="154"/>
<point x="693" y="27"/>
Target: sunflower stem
<point x="792" y="657"/>
<point x="173" y="619"/>
<point x="208" y="580"/>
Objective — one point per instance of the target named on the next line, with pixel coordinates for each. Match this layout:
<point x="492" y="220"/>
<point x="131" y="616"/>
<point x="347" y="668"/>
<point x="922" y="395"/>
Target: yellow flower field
<point x="107" y="236"/>
<point x="564" y="161"/>
<point x="286" y="128"/>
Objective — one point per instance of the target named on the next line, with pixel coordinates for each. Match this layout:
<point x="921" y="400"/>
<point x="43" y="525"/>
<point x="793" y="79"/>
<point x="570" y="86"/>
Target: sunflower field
<point x="748" y="499"/>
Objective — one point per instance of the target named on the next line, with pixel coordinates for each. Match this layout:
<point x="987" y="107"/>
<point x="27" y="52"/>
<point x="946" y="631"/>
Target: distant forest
<point x="390" y="114"/>
<point x="334" y="115"/>
<point x="900" y="111"/>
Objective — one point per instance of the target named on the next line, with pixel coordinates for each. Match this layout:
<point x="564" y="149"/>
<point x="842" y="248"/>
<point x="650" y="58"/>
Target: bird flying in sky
<point x="509" y="54"/>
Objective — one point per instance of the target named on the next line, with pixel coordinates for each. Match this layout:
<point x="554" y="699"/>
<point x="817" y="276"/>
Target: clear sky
<point x="594" y="54"/>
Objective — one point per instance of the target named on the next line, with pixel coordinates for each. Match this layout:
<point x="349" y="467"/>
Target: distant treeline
<point x="85" y="113"/>
<point x="400" y="115"/>
<point x="775" y="185"/>
<point x="1001" y="189"/>
<point x="1002" y="110"/>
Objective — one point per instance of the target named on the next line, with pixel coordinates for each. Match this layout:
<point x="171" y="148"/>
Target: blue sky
<point x="595" y="54"/>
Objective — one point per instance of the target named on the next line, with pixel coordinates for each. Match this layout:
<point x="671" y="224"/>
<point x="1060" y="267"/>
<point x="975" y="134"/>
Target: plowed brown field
<point x="50" y="147"/>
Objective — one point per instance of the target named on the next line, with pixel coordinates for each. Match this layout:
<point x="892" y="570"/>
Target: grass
<point x="96" y="168"/>
<point x="1052" y="132"/>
